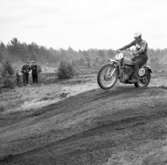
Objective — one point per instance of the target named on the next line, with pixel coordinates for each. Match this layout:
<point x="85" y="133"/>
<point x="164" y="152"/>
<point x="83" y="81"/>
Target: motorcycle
<point x="122" y="68"/>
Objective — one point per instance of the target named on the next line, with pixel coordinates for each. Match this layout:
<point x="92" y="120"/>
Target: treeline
<point x="19" y="51"/>
<point x="16" y="51"/>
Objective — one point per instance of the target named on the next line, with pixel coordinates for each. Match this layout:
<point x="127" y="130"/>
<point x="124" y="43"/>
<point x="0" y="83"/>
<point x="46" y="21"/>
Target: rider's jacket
<point x="25" y="68"/>
<point x="141" y="47"/>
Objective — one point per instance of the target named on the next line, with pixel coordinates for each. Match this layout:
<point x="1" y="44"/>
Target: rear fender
<point x="148" y="69"/>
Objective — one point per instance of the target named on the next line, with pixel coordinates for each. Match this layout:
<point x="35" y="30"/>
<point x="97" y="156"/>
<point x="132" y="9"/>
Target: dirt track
<point x="123" y="126"/>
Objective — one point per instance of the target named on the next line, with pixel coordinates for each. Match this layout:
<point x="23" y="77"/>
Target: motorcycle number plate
<point x="141" y="72"/>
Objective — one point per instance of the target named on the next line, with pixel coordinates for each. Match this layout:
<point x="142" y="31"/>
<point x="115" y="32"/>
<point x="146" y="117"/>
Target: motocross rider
<point x="140" y="55"/>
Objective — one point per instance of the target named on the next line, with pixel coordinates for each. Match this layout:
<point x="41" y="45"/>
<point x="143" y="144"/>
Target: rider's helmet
<point x="137" y="35"/>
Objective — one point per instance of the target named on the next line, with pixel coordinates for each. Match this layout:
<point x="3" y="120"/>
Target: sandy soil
<point x="33" y="97"/>
<point x="123" y="126"/>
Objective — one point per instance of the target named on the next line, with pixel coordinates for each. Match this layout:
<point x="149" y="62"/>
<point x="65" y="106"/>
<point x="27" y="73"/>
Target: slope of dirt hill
<point x="123" y="126"/>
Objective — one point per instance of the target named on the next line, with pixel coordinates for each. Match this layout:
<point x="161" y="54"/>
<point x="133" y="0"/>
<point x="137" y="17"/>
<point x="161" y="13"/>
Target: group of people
<point x="25" y="72"/>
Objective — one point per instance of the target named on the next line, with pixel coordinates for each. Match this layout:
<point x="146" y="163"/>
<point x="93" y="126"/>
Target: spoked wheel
<point x="143" y="81"/>
<point x="107" y="76"/>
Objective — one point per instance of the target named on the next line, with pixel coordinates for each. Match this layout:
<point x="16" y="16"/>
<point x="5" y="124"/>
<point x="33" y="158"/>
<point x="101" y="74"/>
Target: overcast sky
<point x="83" y="24"/>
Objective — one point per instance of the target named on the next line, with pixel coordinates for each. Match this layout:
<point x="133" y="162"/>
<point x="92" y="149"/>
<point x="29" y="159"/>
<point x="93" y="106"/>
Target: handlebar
<point x="132" y="53"/>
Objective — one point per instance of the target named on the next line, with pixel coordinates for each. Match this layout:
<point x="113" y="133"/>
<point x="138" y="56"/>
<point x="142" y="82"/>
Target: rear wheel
<point x="143" y="81"/>
<point x="107" y="76"/>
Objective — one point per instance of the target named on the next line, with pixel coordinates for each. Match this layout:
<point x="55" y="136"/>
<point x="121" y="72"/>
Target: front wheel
<point x="143" y="81"/>
<point x="107" y="76"/>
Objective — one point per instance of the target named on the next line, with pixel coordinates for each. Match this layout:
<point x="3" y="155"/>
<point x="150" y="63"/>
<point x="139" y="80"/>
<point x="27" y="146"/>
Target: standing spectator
<point x="34" y="69"/>
<point x="18" y="77"/>
<point x="25" y="70"/>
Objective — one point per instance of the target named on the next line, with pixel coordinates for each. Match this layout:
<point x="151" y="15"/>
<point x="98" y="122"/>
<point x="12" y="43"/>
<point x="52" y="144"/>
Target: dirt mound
<point x="121" y="126"/>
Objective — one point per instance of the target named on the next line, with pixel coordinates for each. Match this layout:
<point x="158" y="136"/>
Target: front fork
<point x="109" y="74"/>
<point x="110" y="71"/>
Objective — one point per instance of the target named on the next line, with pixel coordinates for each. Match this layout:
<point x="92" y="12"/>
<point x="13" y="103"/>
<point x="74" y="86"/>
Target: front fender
<point x="114" y="62"/>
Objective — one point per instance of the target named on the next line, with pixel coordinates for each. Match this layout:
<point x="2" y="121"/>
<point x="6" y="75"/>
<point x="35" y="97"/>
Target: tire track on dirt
<point x="120" y="119"/>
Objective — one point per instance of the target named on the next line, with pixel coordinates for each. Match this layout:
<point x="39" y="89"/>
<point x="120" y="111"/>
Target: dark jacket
<point x="34" y="69"/>
<point x="25" y="68"/>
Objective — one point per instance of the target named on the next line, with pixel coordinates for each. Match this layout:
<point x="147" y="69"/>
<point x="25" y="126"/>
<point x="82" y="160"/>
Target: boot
<point x="135" y="77"/>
